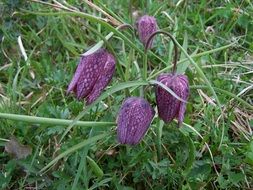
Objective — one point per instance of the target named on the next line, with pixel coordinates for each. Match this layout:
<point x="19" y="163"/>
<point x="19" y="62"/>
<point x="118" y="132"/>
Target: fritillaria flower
<point x="169" y="107"/>
<point x="134" y="120"/>
<point x="92" y="75"/>
<point x="146" y="25"/>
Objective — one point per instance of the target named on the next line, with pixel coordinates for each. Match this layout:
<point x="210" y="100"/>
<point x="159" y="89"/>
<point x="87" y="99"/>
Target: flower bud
<point x="146" y="25"/>
<point x="168" y="106"/>
<point x="92" y="75"/>
<point x="134" y="120"/>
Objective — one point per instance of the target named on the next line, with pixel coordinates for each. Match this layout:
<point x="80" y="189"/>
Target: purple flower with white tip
<point x="146" y="25"/>
<point x="134" y="120"/>
<point x="92" y="75"/>
<point x="169" y="107"/>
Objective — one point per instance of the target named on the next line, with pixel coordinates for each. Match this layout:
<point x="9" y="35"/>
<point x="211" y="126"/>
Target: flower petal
<point x="90" y="73"/>
<point x="185" y="86"/>
<point x="134" y="120"/>
<point x="124" y="118"/>
<point x="104" y="78"/>
<point x="168" y="106"/>
<point x="144" y="116"/>
<point x="77" y="74"/>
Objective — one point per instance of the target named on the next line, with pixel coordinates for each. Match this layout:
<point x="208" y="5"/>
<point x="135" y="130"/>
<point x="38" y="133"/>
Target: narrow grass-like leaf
<point x="14" y="84"/>
<point x="183" y="66"/>
<point x="95" y="168"/>
<point x="101" y="183"/>
<point x="68" y="46"/>
<point x="101" y="4"/>
<point x="98" y="45"/>
<point x="185" y="45"/>
<point x="53" y="121"/>
<point x="81" y="168"/>
<point x="167" y="89"/>
<point x="191" y="155"/>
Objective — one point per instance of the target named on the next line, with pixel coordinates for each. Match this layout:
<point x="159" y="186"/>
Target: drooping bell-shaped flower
<point x="134" y="120"/>
<point x="146" y="25"/>
<point x="92" y="75"/>
<point x="169" y="107"/>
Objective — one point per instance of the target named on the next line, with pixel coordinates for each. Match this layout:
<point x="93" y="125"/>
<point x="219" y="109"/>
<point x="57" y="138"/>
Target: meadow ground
<point x="41" y="43"/>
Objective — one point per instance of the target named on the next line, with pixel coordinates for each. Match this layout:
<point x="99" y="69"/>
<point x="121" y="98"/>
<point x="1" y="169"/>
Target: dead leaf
<point x="110" y="152"/>
<point x="207" y="98"/>
<point x="16" y="149"/>
<point x="32" y="74"/>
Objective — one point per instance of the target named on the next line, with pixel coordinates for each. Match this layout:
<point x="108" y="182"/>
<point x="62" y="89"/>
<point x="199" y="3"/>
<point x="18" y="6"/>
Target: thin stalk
<point x="159" y="129"/>
<point x="145" y="66"/>
<point x="124" y="26"/>
<point x="130" y="10"/>
<point x="53" y="121"/>
<point x="145" y="71"/>
<point x="175" y="47"/>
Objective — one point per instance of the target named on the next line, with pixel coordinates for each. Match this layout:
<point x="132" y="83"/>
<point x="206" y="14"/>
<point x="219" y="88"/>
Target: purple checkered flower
<point x="92" y="75"/>
<point x="134" y="120"/>
<point x="146" y="25"/>
<point x="168" y="106"/>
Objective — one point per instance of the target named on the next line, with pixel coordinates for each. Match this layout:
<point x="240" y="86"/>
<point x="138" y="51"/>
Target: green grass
<point x="75" y="146"/>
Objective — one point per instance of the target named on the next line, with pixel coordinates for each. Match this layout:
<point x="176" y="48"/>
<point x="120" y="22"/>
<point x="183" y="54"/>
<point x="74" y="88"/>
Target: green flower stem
<point x="159" y="129"/>
<point x="145" y="72"/>
<point x="175" y="58"/>
<point x="145" y="66"/>
<point x="53" y="121"/>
